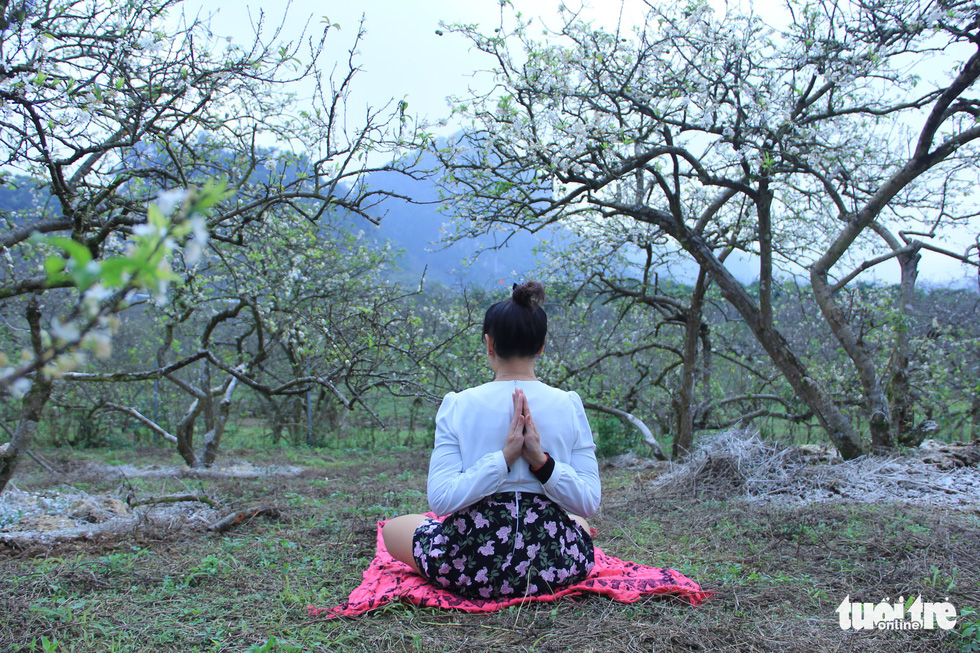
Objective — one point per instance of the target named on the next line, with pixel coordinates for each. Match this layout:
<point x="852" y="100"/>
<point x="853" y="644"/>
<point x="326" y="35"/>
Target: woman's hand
<point x="532" y="440"/>
<point x="515" y="433"/>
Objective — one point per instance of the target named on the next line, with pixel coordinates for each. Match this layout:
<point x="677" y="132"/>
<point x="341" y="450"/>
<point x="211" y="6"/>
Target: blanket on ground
<point x="386" y="580"/>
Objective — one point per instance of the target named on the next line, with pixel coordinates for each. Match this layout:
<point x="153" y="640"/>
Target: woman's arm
<point x="451" y="487"/>
<point x="574" y="485"/>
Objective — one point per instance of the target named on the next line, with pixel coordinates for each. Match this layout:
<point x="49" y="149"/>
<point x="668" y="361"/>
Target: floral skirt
<point x="505" y="545"/>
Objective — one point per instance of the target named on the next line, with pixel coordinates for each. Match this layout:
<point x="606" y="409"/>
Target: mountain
<point x="418" y="229"/>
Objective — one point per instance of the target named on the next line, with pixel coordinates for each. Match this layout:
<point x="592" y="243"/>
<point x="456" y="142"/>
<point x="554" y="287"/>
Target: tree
<point x="301" y="310"/>
<point x="106" y="105"/>
<point x="805" y="147"/>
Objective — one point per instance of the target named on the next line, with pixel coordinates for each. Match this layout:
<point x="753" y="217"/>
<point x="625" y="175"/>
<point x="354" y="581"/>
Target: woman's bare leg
<point x="398" y="533"/>
<point x="581" y="520"/>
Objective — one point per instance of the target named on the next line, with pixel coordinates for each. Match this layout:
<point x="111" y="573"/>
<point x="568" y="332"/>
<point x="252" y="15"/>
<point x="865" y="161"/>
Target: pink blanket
<point x="386" y="580"/>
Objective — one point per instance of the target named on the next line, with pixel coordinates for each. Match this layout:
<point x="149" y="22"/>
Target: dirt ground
<point x="167" y="580"/>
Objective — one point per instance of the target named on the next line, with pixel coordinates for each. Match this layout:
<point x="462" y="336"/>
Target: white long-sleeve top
<point x="468" y="463"/>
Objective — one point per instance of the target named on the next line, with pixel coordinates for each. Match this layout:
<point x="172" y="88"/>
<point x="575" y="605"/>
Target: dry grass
<point x="778" y="572"/>
<point x="736" y="463"/>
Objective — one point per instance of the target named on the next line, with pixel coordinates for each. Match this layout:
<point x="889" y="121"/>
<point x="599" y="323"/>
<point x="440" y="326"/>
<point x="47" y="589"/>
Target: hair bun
<point x="529" y="294"/>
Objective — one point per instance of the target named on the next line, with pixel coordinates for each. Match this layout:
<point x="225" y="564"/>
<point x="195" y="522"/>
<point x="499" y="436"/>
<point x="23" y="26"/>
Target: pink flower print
<point x="460" y="524"/>
<point x="532" y="589"/>
<point x="481" y="576"/>
<point x="519" y="541"/>
<point x="480" y="520"/>
<point x="503" y="533"/>
<point x="533" y="550"/>
<point x="485" y="592"/>
<point x="512" y="507"/>
<point x="439" y="539"/>
<point x="548" y="575"/>
<point x="531" y="517"/>
<point x="459" y="563"/>
<point x="551" y="527"/>
<point x="444" y="581"/>
<point x="505" y="588"/>
<point x="562" y="575"/>
<point x="436" y="553"/>
<point x="573" y="551"/>
<point x="465" y="580"/>
<point x="486" y="549"/>
<point x="417" y="551"/>
<point x="444" y="569"/>
<point x="521" y="569"/>
<point x="455" y="550"/>
<point x="540" y="502"/>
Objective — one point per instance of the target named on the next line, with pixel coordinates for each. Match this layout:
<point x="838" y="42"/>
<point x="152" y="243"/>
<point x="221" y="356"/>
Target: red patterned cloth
<point x="386" y="580"/>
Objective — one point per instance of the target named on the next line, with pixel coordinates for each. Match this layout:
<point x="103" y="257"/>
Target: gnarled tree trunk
<point x="899" y="391"/>
<point x="684" y="405"/>
<point x="32" y="406"/>
<point x="838" y="427"/>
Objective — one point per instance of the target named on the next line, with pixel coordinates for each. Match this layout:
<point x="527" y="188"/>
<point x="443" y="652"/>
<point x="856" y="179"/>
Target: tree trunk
<point x="275" y="417"/>
<point x="212" y="439"/>
<point x="899" y="392"/>
<point x="975" y="415"/>
<point x="879" y="412"/>
<point x="764" y="212"/>
<point x="30" y="415"/>
<point x="837" y="426"/>
<point x="684" y="400"/>
<point x="185" y="433"/>
<point x="32" y="405"/>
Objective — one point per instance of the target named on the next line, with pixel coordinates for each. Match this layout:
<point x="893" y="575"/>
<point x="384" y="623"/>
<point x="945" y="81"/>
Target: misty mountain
<point x="419" y="229"/>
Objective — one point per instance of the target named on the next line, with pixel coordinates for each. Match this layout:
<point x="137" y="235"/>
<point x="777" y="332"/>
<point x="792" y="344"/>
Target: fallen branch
<point x="173" y="498"/>
<point x="40" y="461"/>
<point x="636" y="422"/>
<point x="238" y="517"/>
<point x="132" y="412"/>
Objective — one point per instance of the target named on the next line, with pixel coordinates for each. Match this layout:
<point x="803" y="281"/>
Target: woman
<point x="516" y="485"/>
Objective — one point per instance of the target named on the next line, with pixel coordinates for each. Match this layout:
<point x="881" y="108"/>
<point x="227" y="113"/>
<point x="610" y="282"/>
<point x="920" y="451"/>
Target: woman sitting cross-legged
<point x="513" y="467"/>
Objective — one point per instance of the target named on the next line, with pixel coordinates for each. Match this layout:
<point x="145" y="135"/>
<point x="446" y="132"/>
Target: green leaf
<point x="114" y="269"/>
<point x="54" y="266"/>
<point x="76" y="251"/>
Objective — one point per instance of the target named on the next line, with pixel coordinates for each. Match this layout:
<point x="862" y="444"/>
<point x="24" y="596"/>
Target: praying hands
<point x="523" y="439"/>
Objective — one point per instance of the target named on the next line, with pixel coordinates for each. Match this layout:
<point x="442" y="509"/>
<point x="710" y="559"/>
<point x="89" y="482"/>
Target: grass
<point x="778" y="573"/>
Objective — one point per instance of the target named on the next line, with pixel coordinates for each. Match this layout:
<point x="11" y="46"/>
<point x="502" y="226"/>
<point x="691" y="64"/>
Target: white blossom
<point x="170" y="200"/>
<point x="101" y="344"/>
<point x="19" y="388"/>
<point x="64" y="332"/>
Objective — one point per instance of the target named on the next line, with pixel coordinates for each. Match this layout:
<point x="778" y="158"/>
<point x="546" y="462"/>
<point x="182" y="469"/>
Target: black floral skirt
<point x="505" y="545"/>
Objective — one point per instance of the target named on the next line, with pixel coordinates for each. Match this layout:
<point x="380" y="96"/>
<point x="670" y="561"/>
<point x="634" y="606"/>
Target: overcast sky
<point x="401" y="55"/>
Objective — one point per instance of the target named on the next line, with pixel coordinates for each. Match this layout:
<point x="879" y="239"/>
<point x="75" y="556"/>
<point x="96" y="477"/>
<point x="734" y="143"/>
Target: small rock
<point x="85" y="510"/>
<point x="813" y="453"/>
<point x="114" y="506"/>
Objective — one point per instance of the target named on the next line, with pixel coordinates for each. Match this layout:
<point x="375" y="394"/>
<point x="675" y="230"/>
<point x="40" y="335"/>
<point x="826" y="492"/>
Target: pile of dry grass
<point x="65" y="514"/>
<point x="740" y="464"/>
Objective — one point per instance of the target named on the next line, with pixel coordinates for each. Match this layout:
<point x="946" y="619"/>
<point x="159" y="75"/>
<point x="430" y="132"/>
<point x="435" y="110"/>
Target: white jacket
<point x="468" y="463"/>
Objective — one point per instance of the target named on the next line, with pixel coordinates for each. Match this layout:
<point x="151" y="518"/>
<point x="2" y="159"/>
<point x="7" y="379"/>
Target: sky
<point x="402" y="57"/>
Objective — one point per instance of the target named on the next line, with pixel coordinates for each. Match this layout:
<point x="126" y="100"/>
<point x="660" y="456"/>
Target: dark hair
<point x="518" y="325"/>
